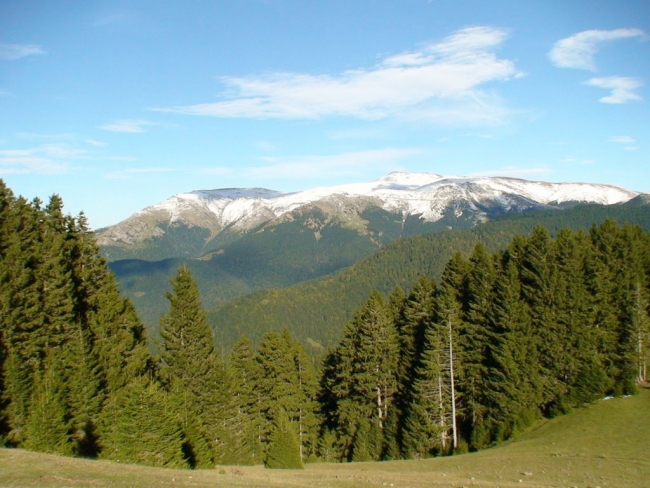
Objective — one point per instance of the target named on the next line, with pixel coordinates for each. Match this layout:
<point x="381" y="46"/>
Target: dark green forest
<point x="502" y="338"/>
<point x="316" y="311"/>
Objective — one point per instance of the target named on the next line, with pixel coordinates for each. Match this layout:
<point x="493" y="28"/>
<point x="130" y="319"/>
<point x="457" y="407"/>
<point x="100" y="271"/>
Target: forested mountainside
<point x="499" y="340"/>
<point x="316" y="311"/>
<point x="277" y="256"/>
<point x="287" y="254"/>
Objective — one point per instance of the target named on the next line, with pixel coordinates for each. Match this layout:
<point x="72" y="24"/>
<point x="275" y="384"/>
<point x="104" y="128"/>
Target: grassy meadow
<point x="603" y="445"/>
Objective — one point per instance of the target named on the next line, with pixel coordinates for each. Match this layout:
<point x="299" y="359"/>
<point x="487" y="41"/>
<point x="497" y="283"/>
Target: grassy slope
<point x="603" y="445"/>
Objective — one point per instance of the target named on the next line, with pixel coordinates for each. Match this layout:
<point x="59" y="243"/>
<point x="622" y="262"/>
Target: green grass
<point x="603" y="445"/>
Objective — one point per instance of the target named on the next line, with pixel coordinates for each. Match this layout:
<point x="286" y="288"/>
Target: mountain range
<point x="190" y="224"/>
<point x="241" y="241"/>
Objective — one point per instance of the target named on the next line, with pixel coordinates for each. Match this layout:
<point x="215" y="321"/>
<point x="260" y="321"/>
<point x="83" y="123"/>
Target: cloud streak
<point x="437" y="80"/>
<point x="621" y="139"/>
<point x="627" y="141"/>
<point x="578" y="51"/>
<point x="10" y="52"/>
<point x="25" y="165"/>
<point x="47" y="159"/>
<point x="130" y="126"/>
<point x="622" y="88"/>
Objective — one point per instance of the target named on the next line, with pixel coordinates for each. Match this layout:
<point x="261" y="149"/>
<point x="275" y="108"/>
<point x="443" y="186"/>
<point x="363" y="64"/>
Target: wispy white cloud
<point x="132" y="126"/>
<point x="441" y="82"/>
<point x="95" y="143"/>
<point x="621" y="139"/>
<point x="10" y="52"/>
<point x="622" y="88"/>
<point x="627" y="141"/>
<point x="46" y="150"/>
<point x="578" y="51"/>
<point x="46" y="159"/>
<point x="13" y="165"/>
<point x="122" y="158"/>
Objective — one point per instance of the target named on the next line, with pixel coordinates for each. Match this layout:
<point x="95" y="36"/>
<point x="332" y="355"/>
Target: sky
<point x="117" y="105"/>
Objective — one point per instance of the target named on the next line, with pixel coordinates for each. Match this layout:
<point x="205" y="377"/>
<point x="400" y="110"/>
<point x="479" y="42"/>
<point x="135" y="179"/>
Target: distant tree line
<point x="503" y="339"/>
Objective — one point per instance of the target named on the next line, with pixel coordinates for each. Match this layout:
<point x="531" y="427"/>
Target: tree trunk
<point x="453" y="393"/>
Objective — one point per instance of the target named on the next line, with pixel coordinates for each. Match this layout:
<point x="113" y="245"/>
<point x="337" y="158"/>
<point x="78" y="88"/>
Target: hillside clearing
<point x="602" y="445"/>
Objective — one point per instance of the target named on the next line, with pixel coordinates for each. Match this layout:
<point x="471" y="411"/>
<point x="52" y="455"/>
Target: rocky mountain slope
<point x="191" y="224"/>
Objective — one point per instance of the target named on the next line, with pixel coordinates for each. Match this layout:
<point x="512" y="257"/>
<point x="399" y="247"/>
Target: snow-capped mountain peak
<point x="425" y="195"/>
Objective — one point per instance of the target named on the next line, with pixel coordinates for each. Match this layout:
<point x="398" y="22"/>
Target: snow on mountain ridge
<point x="426" y="195"/>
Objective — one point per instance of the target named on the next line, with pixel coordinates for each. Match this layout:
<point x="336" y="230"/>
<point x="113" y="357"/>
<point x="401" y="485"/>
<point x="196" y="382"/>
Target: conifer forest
<point x="451" y="365"/>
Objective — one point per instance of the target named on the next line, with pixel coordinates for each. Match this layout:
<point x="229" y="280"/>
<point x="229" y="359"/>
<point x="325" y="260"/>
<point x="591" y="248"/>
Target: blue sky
<point x="116" y="105"/>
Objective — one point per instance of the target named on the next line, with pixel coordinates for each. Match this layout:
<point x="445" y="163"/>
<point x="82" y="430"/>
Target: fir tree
<point x="284" y="450"/>
<point x="428" y="423"/>
<point x="119" y="340"/>
<point x="192" y="373"/>
<point x="46" y="427"/>
<point x="474" y="344"/>
<point x="511" y="383"/>
<point x="247" y="423"/>
<point x="138" y="426"/>
<point x="363" y="372"/>
<point x="287" y="381"/>
<point x="412" y="321"/>
<point x="539" y="291"/>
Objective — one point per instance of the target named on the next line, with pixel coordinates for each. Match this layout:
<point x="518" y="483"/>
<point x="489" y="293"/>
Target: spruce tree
<point x="511" y="383"/>
<point x="23" y="315"/>
<point x="192" y="373"/>
<point x="287" y="381"/>
<point x="540" y="292"/>
<point x="247" y="423"/>
<point x="474" y="345"/>
<point x="580" y="363"/>
<point x="120" y="342"/>
<point x="428" y="422"/>
<point x="363" y="373"/>
<point x="138" y="426"/>
<point x="412" y="321"/>
<point x="46" y="428"/>
<point x="283" y="450"/>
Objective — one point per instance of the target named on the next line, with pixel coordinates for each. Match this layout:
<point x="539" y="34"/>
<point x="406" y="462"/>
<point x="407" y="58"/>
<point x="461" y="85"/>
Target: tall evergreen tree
<point x="474" y="345"/>
<point x="364" y="373"/>
<point x="511" y="383"/>
<point x="246" y="447"/>
<point x="539" y="290"/>
<point x="191" y="371"/>
<point x="287" y="381"/>
<point x="284" y="447"/>
<point x="412" y="322"/>
<point x="138" y="426"/>
<point x="46" y="427"/>
<point x="428" y="418"/>
<point x="23" y="315"/>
